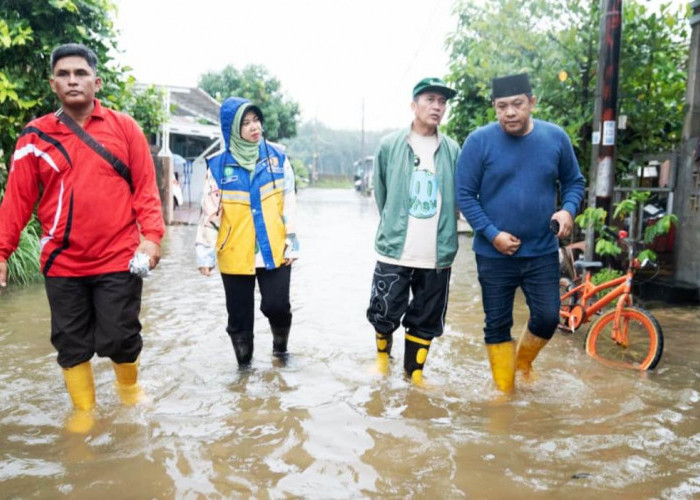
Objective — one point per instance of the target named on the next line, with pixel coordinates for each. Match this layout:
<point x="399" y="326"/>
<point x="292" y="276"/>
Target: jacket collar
<point x="97" y="111"/>
<point x="407" y="133"/>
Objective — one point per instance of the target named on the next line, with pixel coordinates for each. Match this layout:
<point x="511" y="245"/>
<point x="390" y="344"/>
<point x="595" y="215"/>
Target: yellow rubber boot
<point x="81" y="388"/>
<point x="502" y="359"/>
<point x="529" y="346"/>
<point x="415" y="354"/>
<point x="384" y="342"/>
<point x="127" y="385"/>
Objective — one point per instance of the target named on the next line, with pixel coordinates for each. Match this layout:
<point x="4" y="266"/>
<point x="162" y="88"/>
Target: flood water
<point x="327" y="425"/>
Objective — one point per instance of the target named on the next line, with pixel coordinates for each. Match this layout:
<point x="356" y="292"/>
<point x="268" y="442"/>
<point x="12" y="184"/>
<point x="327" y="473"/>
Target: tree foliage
<point x="653" y="79"/>
<point x="256" y="84"/>
<point x="332" y="151"/>
<point x="29" y="31"/>
<point x="556" y="42"/>
<point x="145" y="104"/>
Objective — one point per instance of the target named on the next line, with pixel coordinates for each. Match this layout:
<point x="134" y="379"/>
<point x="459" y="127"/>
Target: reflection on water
<point x="326" y="425"/>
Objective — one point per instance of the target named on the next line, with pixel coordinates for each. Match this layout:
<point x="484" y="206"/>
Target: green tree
<point x="652" y="80"/>
<point x="146" y="105"/>
<point x="301" y="173"/>
<point x="256" y="84"/>
<point x="556" y="42"/>
<point x="29" y="31"/>
<point x="332" y="151"/>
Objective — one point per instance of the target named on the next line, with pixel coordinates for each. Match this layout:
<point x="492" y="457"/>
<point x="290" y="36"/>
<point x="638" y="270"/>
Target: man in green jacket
<point x="416" y="240"/>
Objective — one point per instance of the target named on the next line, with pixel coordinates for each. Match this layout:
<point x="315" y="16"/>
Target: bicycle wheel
<point x="565" y="285"/>
<point x="642" y="348"/>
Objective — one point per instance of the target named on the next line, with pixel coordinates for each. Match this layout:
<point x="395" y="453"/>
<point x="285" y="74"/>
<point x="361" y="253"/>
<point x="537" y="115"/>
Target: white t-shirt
<point x="420" y="247"/>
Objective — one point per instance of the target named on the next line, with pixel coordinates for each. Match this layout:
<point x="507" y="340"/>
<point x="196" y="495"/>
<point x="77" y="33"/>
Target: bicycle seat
<point x="587" y="264"/>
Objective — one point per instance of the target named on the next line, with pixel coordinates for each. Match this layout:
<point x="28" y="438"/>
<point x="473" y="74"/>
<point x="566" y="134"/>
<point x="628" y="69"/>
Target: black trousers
<point x="240" y="299"/>
<point x="95" y="314"/>
<point x="424" y="315"/>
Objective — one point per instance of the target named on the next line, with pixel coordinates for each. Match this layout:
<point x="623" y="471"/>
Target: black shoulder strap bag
<point x="98" y="148"/>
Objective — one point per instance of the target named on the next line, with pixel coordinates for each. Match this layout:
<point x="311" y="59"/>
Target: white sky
<point x="329" y="55"/>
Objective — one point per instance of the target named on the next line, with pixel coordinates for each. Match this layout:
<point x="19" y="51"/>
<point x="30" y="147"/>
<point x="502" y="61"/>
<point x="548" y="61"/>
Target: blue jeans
<point x="538" y="277"/>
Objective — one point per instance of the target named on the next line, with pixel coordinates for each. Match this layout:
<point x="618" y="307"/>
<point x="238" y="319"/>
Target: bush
<point x="23" y="265"/>
<point x="606" y="244"/>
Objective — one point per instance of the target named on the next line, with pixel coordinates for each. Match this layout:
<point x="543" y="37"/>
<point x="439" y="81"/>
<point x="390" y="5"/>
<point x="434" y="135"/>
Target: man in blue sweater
<point x="506" y="180"/>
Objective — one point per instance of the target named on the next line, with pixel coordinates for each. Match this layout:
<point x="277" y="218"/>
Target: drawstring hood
<point x="244" y="153"/>
<point x="267" y="155"/>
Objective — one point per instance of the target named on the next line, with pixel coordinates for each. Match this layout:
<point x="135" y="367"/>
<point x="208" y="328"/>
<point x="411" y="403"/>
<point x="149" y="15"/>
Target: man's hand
<point x="289" y="262"/>
<point x="566" y="223"/>
<point x="506" y="243"/>
<point x="3" y="274"/>
<point x="205" y="271"/>
<point x="151" y="249"/>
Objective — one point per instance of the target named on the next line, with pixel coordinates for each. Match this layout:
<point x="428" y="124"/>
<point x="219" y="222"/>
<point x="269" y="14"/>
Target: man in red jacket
<point x="94" y="218"/>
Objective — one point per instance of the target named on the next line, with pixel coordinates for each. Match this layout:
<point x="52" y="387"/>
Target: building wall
<point x="687" y="207"/>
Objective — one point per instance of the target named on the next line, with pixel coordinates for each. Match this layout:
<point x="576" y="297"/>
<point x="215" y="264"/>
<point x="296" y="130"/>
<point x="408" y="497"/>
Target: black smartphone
<point x="554" y="226"/>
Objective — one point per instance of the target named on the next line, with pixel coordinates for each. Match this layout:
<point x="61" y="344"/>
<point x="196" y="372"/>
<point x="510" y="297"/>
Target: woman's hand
<point x="205" y="271"/>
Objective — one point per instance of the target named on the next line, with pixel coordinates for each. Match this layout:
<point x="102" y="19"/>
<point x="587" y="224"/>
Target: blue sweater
<point x="508" y="183"/>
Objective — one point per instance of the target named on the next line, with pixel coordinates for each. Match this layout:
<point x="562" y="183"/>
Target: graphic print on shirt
<point x="424" y="194"/>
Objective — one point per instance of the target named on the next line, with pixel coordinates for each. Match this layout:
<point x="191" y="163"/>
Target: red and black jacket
<point x="90" y="219"/>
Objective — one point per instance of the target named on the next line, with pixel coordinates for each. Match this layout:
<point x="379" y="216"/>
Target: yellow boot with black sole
<point x="81" y="388"/>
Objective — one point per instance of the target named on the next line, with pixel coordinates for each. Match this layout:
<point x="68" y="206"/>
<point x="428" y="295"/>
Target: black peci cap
<point x="507" y="86"/>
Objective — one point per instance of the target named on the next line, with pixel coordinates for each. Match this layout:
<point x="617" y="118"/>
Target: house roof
<point x="191" y="111"/>
<point x="193" y="102"/>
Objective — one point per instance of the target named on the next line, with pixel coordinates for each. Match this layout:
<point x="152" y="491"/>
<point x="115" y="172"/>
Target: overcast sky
<point x="329" y="55"/>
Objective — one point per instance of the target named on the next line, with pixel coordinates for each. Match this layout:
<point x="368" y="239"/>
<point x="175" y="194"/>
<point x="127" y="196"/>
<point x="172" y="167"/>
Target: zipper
<point x="223" y="244"/>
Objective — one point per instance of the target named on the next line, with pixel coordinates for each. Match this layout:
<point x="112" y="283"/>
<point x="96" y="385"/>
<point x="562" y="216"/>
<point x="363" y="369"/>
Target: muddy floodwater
<point x="328" y="425"/>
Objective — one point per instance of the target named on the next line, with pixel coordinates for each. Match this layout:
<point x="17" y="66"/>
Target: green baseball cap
<point x="433" y="85"/>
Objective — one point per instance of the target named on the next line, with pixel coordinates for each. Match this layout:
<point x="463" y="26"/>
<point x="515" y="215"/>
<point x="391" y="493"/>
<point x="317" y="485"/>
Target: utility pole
<point x="317" y="158"/>
<point x="362" y="144"/>
<point x="602" y="171"/>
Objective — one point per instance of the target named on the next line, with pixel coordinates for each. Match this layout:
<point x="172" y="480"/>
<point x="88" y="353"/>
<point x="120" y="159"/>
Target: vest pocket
<point x="228" y="235"/>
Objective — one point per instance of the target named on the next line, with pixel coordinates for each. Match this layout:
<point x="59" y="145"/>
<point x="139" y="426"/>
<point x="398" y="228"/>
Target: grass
<point x="23" y="264"/>
<point x="333" y="183"/>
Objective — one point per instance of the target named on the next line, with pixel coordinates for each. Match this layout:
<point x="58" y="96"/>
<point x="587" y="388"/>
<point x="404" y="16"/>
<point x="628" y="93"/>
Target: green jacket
<point x="393" y="166"/>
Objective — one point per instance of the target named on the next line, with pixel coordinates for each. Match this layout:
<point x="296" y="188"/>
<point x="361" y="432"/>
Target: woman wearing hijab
<point x="247" y="226"/>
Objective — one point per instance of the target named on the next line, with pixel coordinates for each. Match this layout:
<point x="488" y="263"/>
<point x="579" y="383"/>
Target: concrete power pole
<point x="687" y="199"/>
<point x="602" y="171"/>
<point x="362" y="144"/>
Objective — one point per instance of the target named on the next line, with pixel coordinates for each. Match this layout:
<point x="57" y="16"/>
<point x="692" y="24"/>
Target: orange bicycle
<point x="624" y="337"/>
